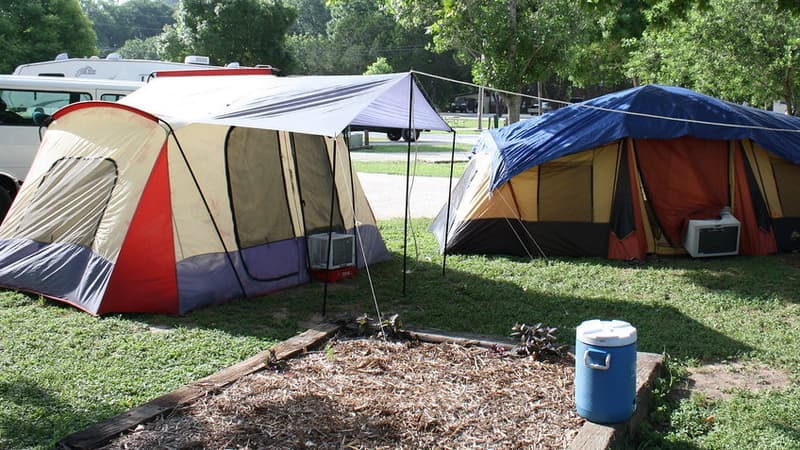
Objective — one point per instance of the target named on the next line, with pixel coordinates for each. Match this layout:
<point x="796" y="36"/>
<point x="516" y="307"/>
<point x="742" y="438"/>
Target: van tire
<point x="394" y="135"/>
<point x="410" y="136"/>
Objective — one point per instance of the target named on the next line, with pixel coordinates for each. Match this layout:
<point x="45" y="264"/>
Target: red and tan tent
<point x="197" y="190"/>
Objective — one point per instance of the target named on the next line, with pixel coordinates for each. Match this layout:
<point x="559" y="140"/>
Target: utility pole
<point x="539" y="97"/>
<point x="480" y="107"/>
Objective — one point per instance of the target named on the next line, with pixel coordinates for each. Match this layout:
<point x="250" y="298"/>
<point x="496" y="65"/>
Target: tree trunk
<point x="513" y="102"/>
<point x="788" y="92"/>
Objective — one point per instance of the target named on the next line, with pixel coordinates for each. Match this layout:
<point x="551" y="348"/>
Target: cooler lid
<point x="606" y="333"/>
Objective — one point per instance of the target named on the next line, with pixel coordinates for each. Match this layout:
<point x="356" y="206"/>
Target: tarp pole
<point x="411" y="132"/>
<point x="353" y="194"/>
<point x="449" y="195"/>
<point x="330" y="233"/>
<point x="480" y="108"/>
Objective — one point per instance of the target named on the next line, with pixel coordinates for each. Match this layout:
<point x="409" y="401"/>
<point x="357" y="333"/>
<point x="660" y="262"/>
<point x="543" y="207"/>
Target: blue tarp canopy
<point x="646" y="112"/>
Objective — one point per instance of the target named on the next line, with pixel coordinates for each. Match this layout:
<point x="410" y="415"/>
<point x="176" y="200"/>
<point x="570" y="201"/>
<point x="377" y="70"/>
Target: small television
<point x="342" y="251"/>
<point x="713" y="237"/>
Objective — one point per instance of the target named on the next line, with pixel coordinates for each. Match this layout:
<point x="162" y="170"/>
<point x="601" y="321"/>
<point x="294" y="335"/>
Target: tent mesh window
<point x="257" y="186"/>
<point x="786" y="176"/>
<point x="315" y="180"/>
<point x="565" y="192"/>
<point x="70" y="201"/>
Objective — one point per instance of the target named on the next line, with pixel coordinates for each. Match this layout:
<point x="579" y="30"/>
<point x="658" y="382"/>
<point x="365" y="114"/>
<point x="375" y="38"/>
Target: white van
<point x="29" y="97"/>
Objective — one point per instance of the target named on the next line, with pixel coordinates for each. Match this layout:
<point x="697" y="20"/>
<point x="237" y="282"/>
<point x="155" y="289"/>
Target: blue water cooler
<point x="605" y="370"/>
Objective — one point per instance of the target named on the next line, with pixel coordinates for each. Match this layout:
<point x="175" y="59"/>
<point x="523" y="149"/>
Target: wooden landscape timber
<point x="594" y="436"/>
<point x="100" y="433"/>
<point x="590" y="436"/>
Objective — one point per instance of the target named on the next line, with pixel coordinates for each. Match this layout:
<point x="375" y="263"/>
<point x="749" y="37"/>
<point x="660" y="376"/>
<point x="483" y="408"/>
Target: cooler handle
<point x="596" y="366"/>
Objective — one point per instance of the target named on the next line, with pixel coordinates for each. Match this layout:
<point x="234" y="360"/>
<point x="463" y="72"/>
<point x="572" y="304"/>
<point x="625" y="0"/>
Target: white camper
<point x="112" y="67"/>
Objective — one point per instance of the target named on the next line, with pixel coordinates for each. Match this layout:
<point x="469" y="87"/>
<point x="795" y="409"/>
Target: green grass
<point x="403" y="148"/>
<point x="422" y="169"/>
<point x="61" y="370"/>
<point x="470" y="124"/>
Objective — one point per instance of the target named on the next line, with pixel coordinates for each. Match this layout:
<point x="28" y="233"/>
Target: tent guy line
<point x="600" y="108"/>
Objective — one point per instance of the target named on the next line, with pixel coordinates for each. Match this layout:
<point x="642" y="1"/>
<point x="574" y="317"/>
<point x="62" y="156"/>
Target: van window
<point x="21" y="104"/>
<point x="111" y="97"/>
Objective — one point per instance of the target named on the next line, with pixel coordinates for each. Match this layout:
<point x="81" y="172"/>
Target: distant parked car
<point x="546" y="107"/>
<point x="464" y="105"/>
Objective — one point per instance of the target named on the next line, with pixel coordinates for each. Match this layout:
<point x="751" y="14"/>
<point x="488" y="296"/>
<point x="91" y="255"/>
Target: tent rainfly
<point x="199" y="189"/>
<point x="620" y="176"/>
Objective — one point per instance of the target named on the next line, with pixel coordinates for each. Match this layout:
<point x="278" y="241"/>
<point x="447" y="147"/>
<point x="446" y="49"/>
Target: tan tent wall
<point x="521" y="197"/>
<point x="133" y="148"/>
<point x="761" y="162"/>
<point x="203" y="149"/>
<point x="648" y="227"/>
<point x="205" y="144"/>
<point x="604" y="173"/>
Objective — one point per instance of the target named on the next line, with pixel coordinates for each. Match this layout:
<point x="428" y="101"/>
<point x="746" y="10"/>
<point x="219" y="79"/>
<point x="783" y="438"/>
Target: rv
<point x="113" y="67"/>
<point x="27" y="103"/>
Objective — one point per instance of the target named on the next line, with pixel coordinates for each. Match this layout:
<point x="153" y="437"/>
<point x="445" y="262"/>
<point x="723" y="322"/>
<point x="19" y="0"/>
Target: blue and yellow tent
<point x="621" y="175"/>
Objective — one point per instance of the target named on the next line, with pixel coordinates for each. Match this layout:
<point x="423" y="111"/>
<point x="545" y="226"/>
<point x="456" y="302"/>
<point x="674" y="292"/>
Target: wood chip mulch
<point x="367" y="393"/>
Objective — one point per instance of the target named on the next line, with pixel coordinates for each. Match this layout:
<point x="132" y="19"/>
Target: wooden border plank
<point x="100" y="433"/>
<point x="591" y="436"/>
<point x="439" y="336"/>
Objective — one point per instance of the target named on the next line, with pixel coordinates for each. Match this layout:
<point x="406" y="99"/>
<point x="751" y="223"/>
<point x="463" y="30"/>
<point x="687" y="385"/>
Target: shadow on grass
<point x="463" y="301"/>
<point x="32" y="412"/>
<point x="16" y="428"/>
<point x="482" y="305"/>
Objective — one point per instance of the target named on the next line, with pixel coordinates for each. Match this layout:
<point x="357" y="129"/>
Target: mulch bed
<point x="368" y="393"/>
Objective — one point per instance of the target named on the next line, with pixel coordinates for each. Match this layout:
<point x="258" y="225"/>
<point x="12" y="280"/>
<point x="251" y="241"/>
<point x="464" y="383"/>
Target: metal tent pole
<point x="449" y="198"/>
<point x="330" y="232"/>
<point x="411" y="132"/>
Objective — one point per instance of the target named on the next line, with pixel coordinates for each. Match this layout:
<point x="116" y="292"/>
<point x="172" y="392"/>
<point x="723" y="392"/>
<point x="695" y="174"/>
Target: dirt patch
<point x="373" y="394"/>
<point x="718" y="381"/>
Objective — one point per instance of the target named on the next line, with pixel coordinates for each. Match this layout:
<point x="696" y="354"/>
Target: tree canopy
<point x="312" y="16"/>
<point x="750" y="52"/>
<point x="508" y="43"/>
<point x="359" y="33"/>
<point x="250" y="32"/>
<point x="38" y="30"/>
<point x="135" y="19"/>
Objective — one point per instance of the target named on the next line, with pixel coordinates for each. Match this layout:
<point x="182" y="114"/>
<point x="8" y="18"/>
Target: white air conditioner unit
<point x="716" y="237"/>
<point x="342" y="252"/>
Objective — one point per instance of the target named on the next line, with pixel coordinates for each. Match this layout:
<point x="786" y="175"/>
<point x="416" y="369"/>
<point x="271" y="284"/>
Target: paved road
<point x="386" y="194"/>
<point x="428" y="194"/>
